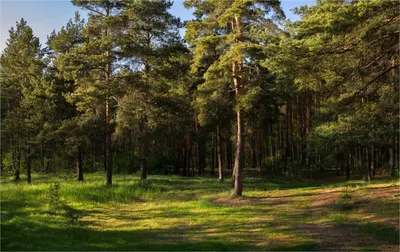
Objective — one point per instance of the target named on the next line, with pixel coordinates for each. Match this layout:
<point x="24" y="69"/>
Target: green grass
<point x="192" y="213"/>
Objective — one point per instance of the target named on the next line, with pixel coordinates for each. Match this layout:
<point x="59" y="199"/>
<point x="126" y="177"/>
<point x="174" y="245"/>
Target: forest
<point x="250" y="132"/>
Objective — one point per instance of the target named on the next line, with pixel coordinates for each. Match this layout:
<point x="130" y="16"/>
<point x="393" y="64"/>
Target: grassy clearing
<point x="175" y="213"/>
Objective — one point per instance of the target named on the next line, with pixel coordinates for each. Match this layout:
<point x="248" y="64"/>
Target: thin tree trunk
<point x="17" y="161"/>
<point x="212" y="152"/>
<point x="372" y="161"/>
<point x="229" y="153"/>
<point x="253" y="151"/>
<point x="184" y="157"/>
<point x="348" y="167"/>
<point x="308" y="127"/>
<point x="291" y="130"/>
<point x="239" y="158"/>
<point x="28" y="168"/>
<point x="198" y="145"/>
<point x="236" y="72"/>
<point x="287" y="137"/>
<point x="144" y="156"/>
<point x="367" y="164"/>
<point x="18" y="165"/>
<point x="298" y="125"/>
<point x="337" y="162"/>
<point x="108" y="112"/>
<point x="105" y="147"/>
<point x="191" y="159"/>
<point x="391" y="165"/>
<point x="79" y="165"/>
<point x="42" y="168"/>
<point x="219" y="157"/>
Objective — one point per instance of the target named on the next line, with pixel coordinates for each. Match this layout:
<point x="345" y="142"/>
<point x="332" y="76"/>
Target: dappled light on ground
<point x="174" y="213"/>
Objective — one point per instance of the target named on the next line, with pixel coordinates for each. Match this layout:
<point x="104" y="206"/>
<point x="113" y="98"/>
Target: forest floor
<point x="197" y="213"/>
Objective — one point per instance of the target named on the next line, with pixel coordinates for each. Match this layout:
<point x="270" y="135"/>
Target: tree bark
<point x="108" y="110"/>
<point x="239" y="158"/>
<point x="79" y="165"/>
<point x="367" y="164"/>
<point x="253" y="150"/>
<point x="348" y="159"/>
<point x="372" y="161"/>
<point x="18" y="161"/>
<point x="219" y="152"/>
<point x="287" y="137"/>
<point x="291" y="130"/>
<point x="28" y="168"/>
<point x="391" y="164"/>
<point x="212" y="152"/>
<point x="298" y="125"/>
<point x="308" y="127"/>
<point x="184" y="157"/>
<point x="229" y="153"/>
<point x="337" y="162"/>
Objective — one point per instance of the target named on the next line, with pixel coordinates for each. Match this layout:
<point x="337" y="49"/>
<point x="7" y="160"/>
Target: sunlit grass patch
<point x="176" y="213"/>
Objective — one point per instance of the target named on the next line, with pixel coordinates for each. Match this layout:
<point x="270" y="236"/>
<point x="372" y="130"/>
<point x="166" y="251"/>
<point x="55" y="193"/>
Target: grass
<point x="197" y="213"/>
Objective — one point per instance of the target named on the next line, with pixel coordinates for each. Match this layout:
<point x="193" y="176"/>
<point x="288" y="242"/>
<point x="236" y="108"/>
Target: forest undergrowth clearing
<point x="198" y="213"/>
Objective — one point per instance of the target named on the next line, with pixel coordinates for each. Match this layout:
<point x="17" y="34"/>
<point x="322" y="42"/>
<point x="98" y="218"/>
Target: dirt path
<point x="314" y="214"/>
<point x="334" y="237"/>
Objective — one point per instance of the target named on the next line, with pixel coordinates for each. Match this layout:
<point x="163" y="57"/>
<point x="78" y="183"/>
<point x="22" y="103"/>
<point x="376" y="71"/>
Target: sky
<point x="45" y="15"/>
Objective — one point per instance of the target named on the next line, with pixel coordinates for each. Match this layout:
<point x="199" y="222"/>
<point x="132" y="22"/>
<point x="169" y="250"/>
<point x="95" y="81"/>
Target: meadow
<point x="197" y="213"/>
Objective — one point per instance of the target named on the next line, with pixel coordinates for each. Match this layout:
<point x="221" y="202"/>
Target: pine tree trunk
<point x="239" y="158"/>
<point x="191" y="159"/>
<point x="28" y="168"/>
<point x="260" y="150"/>
<point x="372" y="161"/>
<point x="108" y="112"/>
<point x="397" y="153"/>
<point x="337" y="163"/>
<point x="238" y="84"/>
<point x="286" y="138"/>
<point x="229" y="153"/>
<point x="253" y="151"/>
<point x="184" y="157"/>
<point x="298" y="126"/>
<point x="212" y="152"/>
<point x="308" y="128"/>
<point x="198" y="145"/>
<point x="391" y="164"/>
<point x="42" y="168"/>
<point x="219" y="152"/>
<point x="271" y="142"/>
<point x="367" y="165"/>
<point x="144" y="156"/>
<point x="79" y="165"/>
<point x="108" y="143"/>
<point x="105" y="147"/>
<point x="18" y="161"/>
<point x="291" y="130"/>
<point x="348" y="160"/>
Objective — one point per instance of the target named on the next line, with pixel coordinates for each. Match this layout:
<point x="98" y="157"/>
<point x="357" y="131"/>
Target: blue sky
<point x="45" y="15"/>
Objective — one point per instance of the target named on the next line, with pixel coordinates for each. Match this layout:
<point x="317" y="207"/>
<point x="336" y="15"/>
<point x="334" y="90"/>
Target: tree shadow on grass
<point x="80" y="238"/>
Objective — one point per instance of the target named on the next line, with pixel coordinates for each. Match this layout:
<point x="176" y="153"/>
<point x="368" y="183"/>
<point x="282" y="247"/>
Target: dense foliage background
<point x="122" y="92"/>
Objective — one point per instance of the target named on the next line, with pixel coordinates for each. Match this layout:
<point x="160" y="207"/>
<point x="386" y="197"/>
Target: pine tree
<point x="154" y="51"/>
<point x="92" y="65"/>
<point x="229" y="25"/>
<point x="20" y="74"/>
